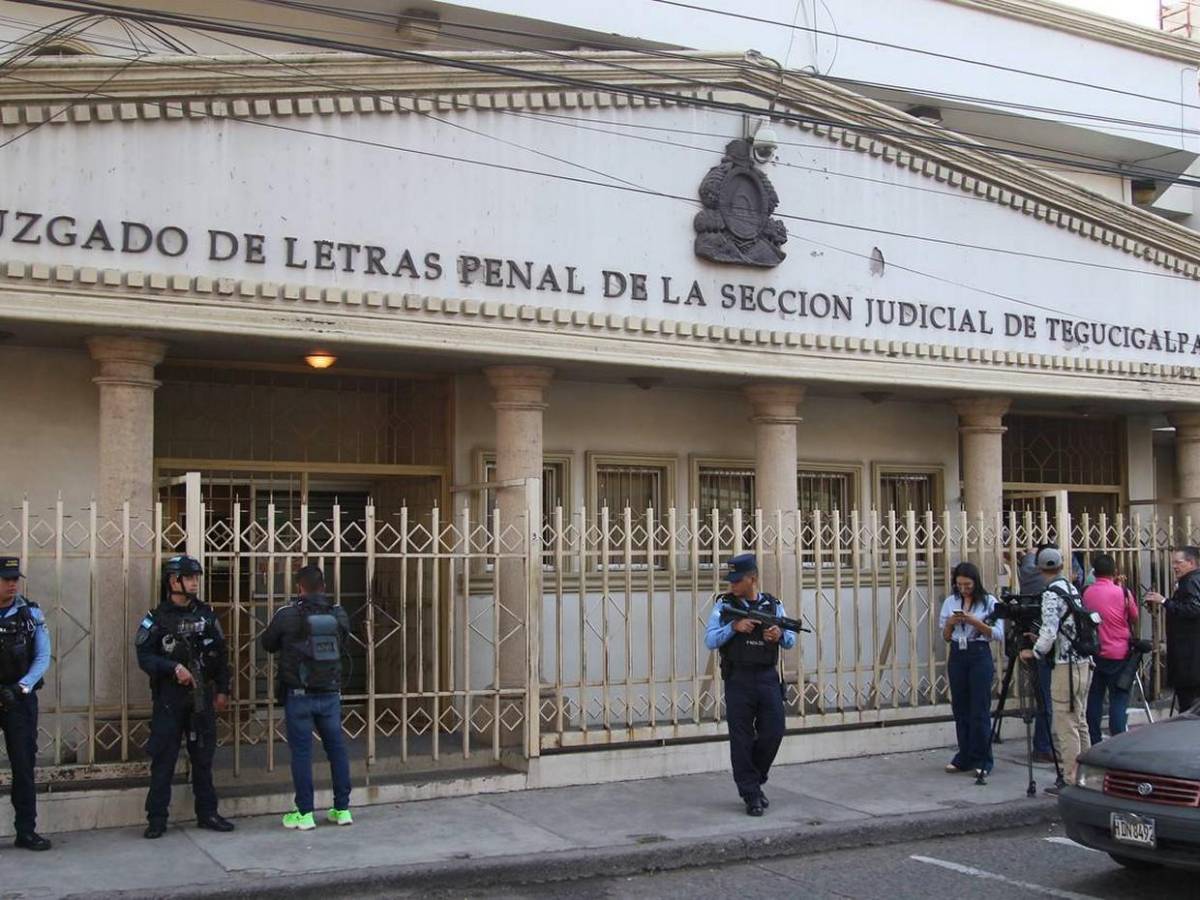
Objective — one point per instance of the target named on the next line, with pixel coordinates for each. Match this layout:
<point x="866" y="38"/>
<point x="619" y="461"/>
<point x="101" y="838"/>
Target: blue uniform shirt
<point x="716" y="634"/>
<point x="41" y="643"/>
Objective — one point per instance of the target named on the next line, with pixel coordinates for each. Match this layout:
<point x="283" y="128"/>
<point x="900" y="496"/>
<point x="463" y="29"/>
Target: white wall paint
<point x="244" y="177"/>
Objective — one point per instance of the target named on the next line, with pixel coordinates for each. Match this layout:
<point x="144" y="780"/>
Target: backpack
<point x="1086" y="641"/>
<point x="319" y="650"/>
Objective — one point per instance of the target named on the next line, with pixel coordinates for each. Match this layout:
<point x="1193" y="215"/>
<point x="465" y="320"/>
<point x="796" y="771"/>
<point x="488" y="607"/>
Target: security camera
<point x="764" y="144"/>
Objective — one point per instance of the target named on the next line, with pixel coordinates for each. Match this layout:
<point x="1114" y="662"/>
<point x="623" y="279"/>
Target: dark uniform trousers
<point x="20" y="741"/>
<point x="170" y="722"/>
<point x="754" y="712"/>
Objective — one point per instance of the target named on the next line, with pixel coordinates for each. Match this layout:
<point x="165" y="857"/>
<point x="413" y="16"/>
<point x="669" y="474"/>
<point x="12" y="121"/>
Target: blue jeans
<point x="1042" y="722"/>
<point x="971" y="672"/>
<point x="324" y="713"/>
<point x="1103" y="681"/>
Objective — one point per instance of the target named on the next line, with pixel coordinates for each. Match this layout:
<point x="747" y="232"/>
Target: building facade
<point x="522" y="347"/>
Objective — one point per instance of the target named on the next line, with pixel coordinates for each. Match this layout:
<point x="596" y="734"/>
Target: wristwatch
<point x="25" y="689"/>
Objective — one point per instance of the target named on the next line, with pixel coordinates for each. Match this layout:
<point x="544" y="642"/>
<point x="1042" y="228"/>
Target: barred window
<point x="556" y="486"/>
<point x="636" y="483"/>
<point x="900" y="490"/>
<point x="826" y="491"/>
<point x="1045" y="450"/>
<point x="724" y="489"/>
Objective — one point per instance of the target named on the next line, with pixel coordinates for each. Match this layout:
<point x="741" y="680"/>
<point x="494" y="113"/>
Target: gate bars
<point x="480" y="638"/>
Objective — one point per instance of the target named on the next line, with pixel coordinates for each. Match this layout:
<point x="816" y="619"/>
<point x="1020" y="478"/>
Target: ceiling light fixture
<point x="319" y="359"/>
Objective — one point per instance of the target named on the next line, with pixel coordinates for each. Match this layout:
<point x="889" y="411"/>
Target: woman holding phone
<point x="970" y="668"/>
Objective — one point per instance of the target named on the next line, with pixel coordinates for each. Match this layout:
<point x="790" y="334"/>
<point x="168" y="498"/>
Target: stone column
<point x="519" y="405"/>
<point x="125" y="368"/>
<point x="1187" y="465"/>
<point x="979" y="424"/>
<point x="775" y="418"/>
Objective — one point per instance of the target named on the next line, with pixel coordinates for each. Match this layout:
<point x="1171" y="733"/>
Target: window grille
<point x="1048" y="450"/>
<point x="555" y="492"/>
<point x="902" y="491"/>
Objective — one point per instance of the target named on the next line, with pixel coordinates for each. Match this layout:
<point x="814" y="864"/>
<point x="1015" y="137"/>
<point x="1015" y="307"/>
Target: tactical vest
<point x="749" y="649"/>
<point x="318" y="651"/>
<point x="16" y="644"/>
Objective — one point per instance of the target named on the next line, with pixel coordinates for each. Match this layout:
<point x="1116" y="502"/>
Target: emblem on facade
<point x="1145" y="789"/>
<point x="735" y="225"/>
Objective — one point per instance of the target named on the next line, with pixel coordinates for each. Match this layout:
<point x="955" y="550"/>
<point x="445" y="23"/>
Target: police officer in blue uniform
<point x="750" y="668"/>
<point x="24" y="658"/>
<point x="181" y="646"/>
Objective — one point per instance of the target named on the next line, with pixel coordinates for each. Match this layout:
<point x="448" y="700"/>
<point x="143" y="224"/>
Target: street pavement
<point x="1023" y="863"/>
<point x="546" y="835"/>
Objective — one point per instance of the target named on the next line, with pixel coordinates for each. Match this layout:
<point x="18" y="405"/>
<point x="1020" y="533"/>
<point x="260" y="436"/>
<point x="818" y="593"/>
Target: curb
<point x="573" y="865"/>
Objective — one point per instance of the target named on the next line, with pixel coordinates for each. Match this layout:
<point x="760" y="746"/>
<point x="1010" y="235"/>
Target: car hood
<point x="1164" y="748"/>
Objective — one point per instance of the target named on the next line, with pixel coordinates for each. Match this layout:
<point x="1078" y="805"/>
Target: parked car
<point x="1137" y="796"/>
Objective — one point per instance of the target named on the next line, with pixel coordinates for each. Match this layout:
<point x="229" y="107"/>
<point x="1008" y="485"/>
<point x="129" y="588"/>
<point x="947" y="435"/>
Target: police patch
<point x="147" y="622"/>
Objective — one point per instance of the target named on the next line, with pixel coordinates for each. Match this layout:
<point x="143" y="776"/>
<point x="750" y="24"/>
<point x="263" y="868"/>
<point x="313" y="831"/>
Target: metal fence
<point x="600" y="613"/>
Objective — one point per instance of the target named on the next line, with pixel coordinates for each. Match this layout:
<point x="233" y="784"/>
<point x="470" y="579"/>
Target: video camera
<point x="1024" y="610"/>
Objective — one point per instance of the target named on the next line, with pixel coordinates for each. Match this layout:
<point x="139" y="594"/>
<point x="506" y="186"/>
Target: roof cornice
<point x="299" y="85"/>
<point x="1091" y="25"/>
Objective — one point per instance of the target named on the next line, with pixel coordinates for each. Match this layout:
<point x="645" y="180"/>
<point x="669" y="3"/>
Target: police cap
<point x="740" y="566"/>
<point x="182" y="565"/>
<point x="10" y="567"/>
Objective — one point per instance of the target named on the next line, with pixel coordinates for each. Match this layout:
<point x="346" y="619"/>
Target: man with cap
<point x="181" y="646"/>
<point x="24" y="658"/>
<point x="309" y="634"/>
<point x="750" y="668"/>
<point x="1069" y="680"/>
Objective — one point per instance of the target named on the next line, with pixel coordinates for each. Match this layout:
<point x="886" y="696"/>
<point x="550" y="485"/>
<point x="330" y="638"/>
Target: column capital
<point x="981" y="415"/>
<point x="774" y="403"/>
<point x="519" y="387"/>
<point x="126" y="361"/>
<point x="1185" y="420"/>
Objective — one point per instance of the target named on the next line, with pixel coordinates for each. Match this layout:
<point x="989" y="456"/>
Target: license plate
<point x="1132" y="829"/>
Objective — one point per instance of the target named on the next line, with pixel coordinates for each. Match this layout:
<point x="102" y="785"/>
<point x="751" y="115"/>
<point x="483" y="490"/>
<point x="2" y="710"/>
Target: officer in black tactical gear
<point x="24" y="658"/>
<point x="309" y="634"/>
<point x="181" y="647"/>
<point x="750" y="668"/>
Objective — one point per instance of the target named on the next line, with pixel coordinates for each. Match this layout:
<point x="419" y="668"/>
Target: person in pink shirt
<point x="1118" y="624"/>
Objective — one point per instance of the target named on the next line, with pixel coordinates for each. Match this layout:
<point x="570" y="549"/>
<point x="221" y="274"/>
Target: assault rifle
<point x="193" y="661"/>
<point x="766" y="619"/>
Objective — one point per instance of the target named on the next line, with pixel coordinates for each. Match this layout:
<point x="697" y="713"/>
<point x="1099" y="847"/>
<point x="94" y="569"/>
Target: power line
<point x="644" y="191"/>
<point x="664" y="96"/>
<point x="933" y="53"/>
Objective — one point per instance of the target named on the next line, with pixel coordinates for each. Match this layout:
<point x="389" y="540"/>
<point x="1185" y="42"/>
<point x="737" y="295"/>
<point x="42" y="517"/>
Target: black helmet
<point x="179" y="566"/>
<point x="183" y="565"/>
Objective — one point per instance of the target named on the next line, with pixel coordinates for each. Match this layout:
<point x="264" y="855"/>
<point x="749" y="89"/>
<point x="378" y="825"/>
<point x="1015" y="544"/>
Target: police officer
<point x="24" y="658"/>
<point x="181" y="647"/>
<point x="750" y="668"/>
<point x="309" y="635"/>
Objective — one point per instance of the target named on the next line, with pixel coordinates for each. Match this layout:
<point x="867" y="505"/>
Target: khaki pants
<point x="1069" y="731"/>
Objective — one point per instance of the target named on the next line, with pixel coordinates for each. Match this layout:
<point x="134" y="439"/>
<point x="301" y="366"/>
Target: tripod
<point x="1027" y="685"/>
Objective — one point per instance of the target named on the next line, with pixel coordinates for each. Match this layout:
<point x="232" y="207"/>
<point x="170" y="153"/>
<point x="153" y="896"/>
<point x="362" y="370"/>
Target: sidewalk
<point x="544" y="835"/>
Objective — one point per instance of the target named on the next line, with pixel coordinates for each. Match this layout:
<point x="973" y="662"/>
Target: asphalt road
<point x="1026" y="863"/>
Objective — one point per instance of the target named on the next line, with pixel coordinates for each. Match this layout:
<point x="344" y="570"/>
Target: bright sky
<point x="1141" y="12"/>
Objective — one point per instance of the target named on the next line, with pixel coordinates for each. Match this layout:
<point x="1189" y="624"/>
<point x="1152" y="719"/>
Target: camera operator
<point x="1118" y="611"/>
<point x="970" y="668"/>
<point x="1069" y="680"/>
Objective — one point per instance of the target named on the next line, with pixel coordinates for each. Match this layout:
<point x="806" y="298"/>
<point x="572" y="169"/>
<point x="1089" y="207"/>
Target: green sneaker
<point x="340" y="817"/>
<point x="298" y="820"/>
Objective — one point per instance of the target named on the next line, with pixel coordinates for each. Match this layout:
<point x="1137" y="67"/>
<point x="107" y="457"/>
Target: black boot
<point x="765" y="802"/>
<point x="754" y="806"/>
<point x="31" y="840"/>
<point x="214" y="822"/>
<point x="155" y="829"/>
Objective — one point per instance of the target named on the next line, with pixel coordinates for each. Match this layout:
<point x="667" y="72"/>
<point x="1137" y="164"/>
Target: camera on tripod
<point x="1024" y="611"/>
